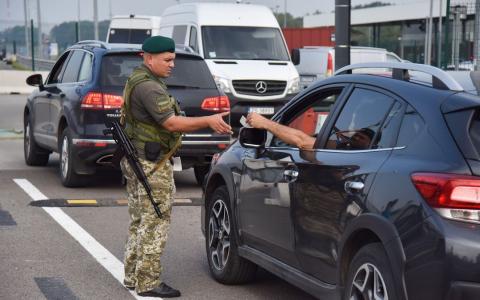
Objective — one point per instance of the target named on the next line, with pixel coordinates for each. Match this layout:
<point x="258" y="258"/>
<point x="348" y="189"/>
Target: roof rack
<point x="93" y="43"/>
<point x="440" y="79"/>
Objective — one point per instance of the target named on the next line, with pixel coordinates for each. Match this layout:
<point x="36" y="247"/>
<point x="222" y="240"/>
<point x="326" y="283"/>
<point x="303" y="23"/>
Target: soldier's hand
<point x="217" y="123"/>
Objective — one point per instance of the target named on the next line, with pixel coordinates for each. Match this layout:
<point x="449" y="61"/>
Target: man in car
<point x="153" y="122"/>
<point x="287" y="134"/>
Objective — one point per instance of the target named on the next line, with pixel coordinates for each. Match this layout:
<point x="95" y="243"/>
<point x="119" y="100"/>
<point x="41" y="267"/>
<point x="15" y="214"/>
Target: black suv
<point x="67" y="114"/>
<point x="386" y="205"/>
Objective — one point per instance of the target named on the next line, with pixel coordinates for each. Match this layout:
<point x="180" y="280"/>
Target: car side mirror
<point x="296" y="56"/>
<point x="35" y="80"/>
<point x="252" y="137"/>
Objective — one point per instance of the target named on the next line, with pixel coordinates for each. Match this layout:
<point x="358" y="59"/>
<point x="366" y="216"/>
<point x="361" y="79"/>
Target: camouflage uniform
<point x="146" y="106"/>
<point x="147" y="232"/>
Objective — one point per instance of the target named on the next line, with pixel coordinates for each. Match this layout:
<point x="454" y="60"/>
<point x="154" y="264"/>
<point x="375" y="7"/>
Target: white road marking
<point x="100" y="253"/>
<point x="182" y="200"/>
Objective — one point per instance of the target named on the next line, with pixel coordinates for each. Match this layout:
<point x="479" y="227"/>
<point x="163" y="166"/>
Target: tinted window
<point x="117" y="68"/>
<point x="310" y="115"/>
<point x="358" y="125"/>
<point x="412" y="125"/>
<point x="55" y="74"/>
<point x="388" y="135"/>
<point x="193" y="39"/>
<point x="73" y="67"/>
<point x="86" y="69"/>
<point x="179" y="33"/>
<point x="243" y="43"/>
<point x="128" y="36"/>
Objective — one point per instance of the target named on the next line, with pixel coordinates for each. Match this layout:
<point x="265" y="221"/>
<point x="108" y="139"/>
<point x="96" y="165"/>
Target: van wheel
<point x="200" y="172"/>
<point x="67" y="172"/>
<point x="226" y="266"/>
<point x="370" y="275"/>
<point x="34" y="154"/>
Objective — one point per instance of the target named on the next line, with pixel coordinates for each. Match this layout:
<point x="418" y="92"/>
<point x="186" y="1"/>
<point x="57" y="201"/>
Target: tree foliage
<point x="16" y="34"/>
<point x="372" y="4"/>
<point x="64" y="34"/>
<point x="292" y="22"/>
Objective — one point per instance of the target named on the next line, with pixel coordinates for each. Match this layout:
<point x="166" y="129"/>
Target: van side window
<point x="179" y="33"/>
<point x="193" y="39"/>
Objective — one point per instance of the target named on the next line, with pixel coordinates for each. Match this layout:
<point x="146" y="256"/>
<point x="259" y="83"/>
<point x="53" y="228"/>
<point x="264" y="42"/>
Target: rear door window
<point x="358" y="127"/>
<point x="55" y="75"/>
<point x="73" y="67"/>
<point x="86" y="68"/>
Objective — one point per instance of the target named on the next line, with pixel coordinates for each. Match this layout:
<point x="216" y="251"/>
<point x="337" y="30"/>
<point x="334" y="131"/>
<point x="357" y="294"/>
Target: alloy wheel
<point x="368" y="284"/>
<point x="65" y="158"/>
<point x="219" y="234"/>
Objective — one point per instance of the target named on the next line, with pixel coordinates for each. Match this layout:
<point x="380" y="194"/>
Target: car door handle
<point x="62" y="95"/>
<point x="353" y="186"/>
<point x="49" y="95"/>
<point x="290" y="175"/>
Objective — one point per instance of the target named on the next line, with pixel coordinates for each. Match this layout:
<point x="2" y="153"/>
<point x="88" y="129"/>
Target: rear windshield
<point x="128" y="36"/>
<point x="188" y="72"/>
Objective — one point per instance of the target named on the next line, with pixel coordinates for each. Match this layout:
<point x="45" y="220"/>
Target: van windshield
<point x="243" y="43"/>
<point x="128" y="36"/>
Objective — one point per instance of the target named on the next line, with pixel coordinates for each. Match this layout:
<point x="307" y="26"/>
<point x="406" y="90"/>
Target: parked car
<point x="386" y="205"/>
<point x="67" y="113"/>
<point x="318" y="62"/>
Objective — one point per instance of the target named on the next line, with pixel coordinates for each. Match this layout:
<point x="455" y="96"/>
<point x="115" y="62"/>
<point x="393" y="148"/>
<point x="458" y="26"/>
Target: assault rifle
<point x="125" y="147"/>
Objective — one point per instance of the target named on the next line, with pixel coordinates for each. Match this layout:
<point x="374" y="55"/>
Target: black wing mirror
<point x="252" y="137"/>
<point x="296" y="56"/>
<point x="35" y="80"/>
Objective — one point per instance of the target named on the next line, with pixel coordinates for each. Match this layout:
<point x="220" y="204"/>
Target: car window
<point x="55" y="74"/>
<point x="86" y="68"/>
<point x="359" y="123"/>
<point x="193" y="39"/>
<point x="73" y="67"/>
<point x="117" y="67"/>
<point x="412" y="125"/>
<point x="310" y="115"/>
<point x="179" y="33"/>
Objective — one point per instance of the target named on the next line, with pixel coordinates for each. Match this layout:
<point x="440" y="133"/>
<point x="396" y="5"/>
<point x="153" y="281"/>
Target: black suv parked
<point x="67" y="114"/>
<point x="386" y="205"/>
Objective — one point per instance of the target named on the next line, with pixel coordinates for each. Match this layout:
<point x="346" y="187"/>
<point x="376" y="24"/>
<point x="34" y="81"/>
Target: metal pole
<point x="429" y="36"/>
<point x="342" y="33"/>
<point x="439" y="40"/>
<point x="425" y="44"/>
<point x="285" y="15"/>
<point x="457" y="28"/>
<point x="447" y="33"/>
<point x="78" y="19"/>
<point x="33" y="45"/>
<point x="39" y="20"/>
<point x="27" y="38"/>
<point x="95" y="18"/>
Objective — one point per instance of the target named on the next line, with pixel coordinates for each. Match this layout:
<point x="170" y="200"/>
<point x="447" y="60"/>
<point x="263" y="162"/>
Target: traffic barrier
<point x="13" y="81"/>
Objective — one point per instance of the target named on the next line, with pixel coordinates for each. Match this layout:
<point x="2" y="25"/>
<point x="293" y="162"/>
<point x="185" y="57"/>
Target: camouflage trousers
<point x="147" y="233"/>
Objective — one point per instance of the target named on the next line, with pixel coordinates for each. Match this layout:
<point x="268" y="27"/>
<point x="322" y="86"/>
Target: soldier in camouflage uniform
<point x="154" y="124"/>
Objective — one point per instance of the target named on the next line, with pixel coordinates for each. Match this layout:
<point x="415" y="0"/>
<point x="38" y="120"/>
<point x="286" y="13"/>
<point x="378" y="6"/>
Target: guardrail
<point x="40" y="64"/>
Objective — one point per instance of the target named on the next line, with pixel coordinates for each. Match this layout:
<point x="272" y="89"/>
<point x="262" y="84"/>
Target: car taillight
<point x="329" y="65"/>
<point x="96" y="100"/>
<point x="220" y="103"/>
<point x="453" y="196"/>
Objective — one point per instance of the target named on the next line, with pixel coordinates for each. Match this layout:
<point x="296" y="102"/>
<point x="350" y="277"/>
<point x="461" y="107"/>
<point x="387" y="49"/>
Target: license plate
<point x="262" y="110"/>
<point x="307" y="78"/>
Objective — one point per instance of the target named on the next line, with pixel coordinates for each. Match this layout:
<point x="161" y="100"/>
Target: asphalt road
<point x="46" y="245"/>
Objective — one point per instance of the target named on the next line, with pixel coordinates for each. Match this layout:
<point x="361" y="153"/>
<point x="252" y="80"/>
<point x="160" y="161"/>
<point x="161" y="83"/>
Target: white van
<point x="245" y="51"/>
<point x="132" y="29"/>
<point x="318" y="62"/>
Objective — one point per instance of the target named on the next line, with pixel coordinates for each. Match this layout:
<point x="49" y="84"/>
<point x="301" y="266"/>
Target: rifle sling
<point x="166" y="157"/>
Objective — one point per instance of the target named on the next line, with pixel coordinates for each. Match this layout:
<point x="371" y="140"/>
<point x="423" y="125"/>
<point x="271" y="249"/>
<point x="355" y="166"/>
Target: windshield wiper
<point x="268" y="58"/>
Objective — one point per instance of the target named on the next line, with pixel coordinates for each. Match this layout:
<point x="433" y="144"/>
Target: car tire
<point x="226" y="266"/>
<point x="370" y="266"/>
<point x="34" y="154"/>
<point x="200" y="172"/>
<point x="68" y="175"/>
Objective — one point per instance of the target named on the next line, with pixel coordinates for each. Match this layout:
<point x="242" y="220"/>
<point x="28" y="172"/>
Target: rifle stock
<point x="126" y="148"/>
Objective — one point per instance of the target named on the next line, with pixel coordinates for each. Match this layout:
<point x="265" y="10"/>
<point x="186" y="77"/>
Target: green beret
<point x="158" y="44"/>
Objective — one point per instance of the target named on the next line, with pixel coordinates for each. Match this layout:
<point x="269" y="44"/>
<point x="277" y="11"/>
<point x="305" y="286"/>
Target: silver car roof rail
<point x="93" y="43"/>
<point x="440" y="79"/>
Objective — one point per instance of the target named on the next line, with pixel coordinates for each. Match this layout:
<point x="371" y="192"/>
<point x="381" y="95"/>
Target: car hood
<point x="252" y="69"/>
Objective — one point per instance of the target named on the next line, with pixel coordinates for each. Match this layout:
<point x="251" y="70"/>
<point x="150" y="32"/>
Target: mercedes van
<point x="245" y="51"/>
<point x="132" y="29"/>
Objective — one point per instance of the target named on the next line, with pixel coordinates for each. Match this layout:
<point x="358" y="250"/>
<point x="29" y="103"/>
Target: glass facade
<point x="408" y="39"/>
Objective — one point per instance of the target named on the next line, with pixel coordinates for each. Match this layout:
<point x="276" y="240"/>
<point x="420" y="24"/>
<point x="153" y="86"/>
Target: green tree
<point x="292" y="22"/>
<point x="64" y="34"/>
<point x="372" y="4"/>
<point x="17" y="34"/>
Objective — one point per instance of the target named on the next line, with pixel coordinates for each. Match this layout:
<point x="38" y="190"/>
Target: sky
<point x="54" y="12"/>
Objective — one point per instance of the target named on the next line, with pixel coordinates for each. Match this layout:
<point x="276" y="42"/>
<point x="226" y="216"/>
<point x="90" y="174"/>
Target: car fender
<point x="386" y="232"/>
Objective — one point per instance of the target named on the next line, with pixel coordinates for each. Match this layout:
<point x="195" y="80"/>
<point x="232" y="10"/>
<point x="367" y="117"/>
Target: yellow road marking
<point x="83" y="201"/>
